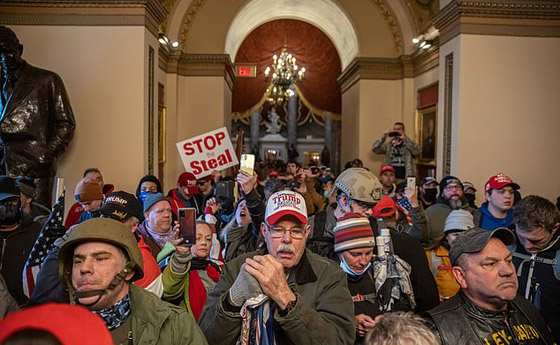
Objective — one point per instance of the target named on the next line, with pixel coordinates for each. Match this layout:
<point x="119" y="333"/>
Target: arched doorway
<point x="315" y="108"/>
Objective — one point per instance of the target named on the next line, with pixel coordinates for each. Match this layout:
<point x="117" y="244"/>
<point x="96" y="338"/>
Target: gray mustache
<point x="289" y="248"/>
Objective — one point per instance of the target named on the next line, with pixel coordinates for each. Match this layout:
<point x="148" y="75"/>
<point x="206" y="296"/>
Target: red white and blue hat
<point x="285" y="203"/>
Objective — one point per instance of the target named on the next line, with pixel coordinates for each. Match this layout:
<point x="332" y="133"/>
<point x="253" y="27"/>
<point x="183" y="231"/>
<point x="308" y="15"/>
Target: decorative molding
<point x="149" y="13"/>
<point x="188" y="20"/>
<point x="422" y="12"/>
<point x="530" y="18"/>
<point x="447" y="114"/>
<point x="204" y="65"/>
<point x="406" y="66"/>
<point x="394" y="27"/>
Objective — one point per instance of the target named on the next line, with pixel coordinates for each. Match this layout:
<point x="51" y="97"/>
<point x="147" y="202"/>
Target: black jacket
<point x="15" y="246"/>
<point x="544" y="288"/>
<point x="459" y="321"/>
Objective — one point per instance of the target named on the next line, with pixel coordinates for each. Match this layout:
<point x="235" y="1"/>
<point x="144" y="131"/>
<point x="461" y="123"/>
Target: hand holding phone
<point x="411" y="182"/>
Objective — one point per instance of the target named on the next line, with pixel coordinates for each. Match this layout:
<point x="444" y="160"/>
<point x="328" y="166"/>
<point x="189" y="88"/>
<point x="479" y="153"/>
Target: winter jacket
<point x="439" y="262"/>
<point x="186" y="289"/>
<point x="486" y="220"/>
<point x="459" y="321"/>
<point x="409" y="151"/>
<point x="323" y="312"/>
<point x="158" y="322"/>
<point x="543" y="290"/>
<point x="406" y="247"/>
<point x="15" y="247"/>
<point x="178" y="202"/>
<point x="431" y="228"/>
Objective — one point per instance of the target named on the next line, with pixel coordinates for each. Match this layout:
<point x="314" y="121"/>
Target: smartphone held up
<point x="187" y="225"/>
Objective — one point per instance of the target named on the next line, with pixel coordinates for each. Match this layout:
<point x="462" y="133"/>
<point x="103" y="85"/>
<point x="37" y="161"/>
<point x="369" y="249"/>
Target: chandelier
<point x="285" y="73"/>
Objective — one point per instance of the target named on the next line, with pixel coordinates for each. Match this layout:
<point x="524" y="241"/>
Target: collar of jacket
<point x="481" y="313"/>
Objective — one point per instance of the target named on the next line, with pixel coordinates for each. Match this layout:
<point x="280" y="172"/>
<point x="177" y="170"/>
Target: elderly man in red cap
<point x="284" y="293"/>
<point x="186" y="195"/>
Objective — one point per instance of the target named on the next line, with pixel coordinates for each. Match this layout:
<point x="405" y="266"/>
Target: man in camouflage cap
<point x="98" y="263"/>
<point x="356" y="190"/>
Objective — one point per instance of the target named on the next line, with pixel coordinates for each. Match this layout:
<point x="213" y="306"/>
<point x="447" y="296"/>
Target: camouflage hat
<point x="359" y="184"/>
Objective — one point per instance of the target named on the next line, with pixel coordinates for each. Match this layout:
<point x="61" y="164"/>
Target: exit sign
<point x="245" y="70"/>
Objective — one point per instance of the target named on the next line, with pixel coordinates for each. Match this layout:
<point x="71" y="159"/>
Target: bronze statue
<point x="36" y="120"/>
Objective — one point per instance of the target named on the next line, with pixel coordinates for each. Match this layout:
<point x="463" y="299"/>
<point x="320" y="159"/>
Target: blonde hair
<point x="400" y="328"/>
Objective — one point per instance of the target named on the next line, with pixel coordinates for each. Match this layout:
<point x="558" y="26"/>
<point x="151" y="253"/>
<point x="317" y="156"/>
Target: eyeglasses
<point x="278" y="232"/>
<point x="456" y="187"/>
<point x="363" y="204"/>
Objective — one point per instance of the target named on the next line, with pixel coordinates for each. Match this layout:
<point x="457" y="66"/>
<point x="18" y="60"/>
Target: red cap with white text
<point x="500" y="181"/>
<point x="285" y="203"/>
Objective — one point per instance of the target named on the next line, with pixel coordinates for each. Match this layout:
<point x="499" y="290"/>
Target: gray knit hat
<point x="458" y="220"/>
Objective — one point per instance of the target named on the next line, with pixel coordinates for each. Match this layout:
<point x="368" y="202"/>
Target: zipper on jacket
<point x="529" y="282"/>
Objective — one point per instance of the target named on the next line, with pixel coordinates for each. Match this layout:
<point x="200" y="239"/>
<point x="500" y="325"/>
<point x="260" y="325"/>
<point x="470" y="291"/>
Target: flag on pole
<point x="51" y="231"/>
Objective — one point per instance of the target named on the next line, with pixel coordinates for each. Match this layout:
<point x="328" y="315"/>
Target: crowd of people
<point x="288" y="255"/>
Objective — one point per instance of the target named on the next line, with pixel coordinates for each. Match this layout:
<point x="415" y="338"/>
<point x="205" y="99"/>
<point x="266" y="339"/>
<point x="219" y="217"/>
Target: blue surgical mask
<point x="347" y="268"/>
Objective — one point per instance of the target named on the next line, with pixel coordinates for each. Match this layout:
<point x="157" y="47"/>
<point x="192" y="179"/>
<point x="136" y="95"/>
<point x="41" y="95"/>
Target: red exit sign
<point x="246" y="70"/>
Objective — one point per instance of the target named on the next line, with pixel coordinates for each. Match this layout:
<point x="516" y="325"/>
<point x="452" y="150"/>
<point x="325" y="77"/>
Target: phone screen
<point x="247" y="163"/>
<point x="224" y="189"/>
<point x="187" y="226"/>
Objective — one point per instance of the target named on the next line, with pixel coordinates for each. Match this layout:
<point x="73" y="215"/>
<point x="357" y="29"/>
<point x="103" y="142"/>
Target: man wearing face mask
<point x="450" y="198"/>
<point x="18" y="233"/>
<point x="428" y="191"/>
<point x="354" y="245"/>
<point x="470" y="194"/>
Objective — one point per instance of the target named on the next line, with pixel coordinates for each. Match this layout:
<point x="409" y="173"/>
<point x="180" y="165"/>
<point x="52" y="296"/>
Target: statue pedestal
<point x="274" y="142"/>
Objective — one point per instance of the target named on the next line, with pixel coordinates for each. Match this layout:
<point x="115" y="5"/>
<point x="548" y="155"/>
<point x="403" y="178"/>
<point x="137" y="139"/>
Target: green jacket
<point x="158" y="322"/>
<point x="323" y="313"/>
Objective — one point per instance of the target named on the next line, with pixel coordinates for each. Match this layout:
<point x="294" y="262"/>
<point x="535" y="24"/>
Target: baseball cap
<point x="27" y="186"/>
<point x="386" y="168"/>
<point x="475" y="239"/>
<point x="429" y="179"/>
<point x="88" y="191"/>
<point x="499" y="181"/>
<point x="152" y="199"/>
<point x="359" y="184"/>
<point x="121" y="205"/>
<point x="8" y="188"/>
<point x="468" y="185"/>
<point x="284" y="203"/>
<point x="385" y="208"/>
<point x="188" y="180"/>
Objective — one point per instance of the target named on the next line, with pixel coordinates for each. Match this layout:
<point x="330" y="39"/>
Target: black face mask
<point x="430" y="194"/>
<point x="10" y="212"/>
<point x="470" y="198"/>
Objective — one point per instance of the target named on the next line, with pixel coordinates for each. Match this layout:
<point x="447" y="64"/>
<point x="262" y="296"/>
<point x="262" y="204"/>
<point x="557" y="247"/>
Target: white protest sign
<point x="207" y="152"/>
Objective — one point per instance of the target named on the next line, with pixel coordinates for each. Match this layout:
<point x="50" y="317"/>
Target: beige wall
<point x="505" y="113"/>
<point x="195" y="105"/>
<point x="369" y="108"/>
<point x="104" y="70"/>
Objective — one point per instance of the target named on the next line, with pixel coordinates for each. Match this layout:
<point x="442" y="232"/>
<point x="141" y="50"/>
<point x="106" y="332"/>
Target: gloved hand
<point x="244" y="287"/>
